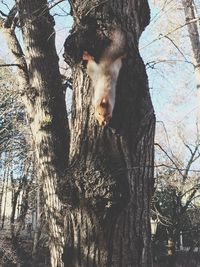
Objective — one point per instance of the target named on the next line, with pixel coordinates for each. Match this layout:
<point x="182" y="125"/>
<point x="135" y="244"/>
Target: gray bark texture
<point x="42" y="94"/>
<point x="110" y="176"/>
<point x="48" y="118"/>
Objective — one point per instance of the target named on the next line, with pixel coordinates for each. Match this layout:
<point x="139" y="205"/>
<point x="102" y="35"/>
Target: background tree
<point x="192" y="21"/>
<point x="41" y="90"/>
<point x="177" y="192"/>
<point x="16" y="174"/>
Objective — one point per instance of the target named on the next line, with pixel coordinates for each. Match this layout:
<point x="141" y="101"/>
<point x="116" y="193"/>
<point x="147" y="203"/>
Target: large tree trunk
<point x="48" y="122"/>
<point x="42" y="94"/>
<point x="111" y="168"/>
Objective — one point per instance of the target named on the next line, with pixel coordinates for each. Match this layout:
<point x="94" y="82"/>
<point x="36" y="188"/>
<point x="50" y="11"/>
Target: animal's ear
<point x="104" y="100"/>
<point x="124" y="56"/>
<point x="121" y="57"/>
<point x="87" y="56"/>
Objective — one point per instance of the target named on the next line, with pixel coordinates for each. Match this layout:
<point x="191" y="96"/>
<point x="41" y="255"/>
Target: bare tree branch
<point x="167" y="37"/>
<point x="184" y="208"/>
<point x="161" y="36"/>
<point x="151" y="64"/>
<point x="174" y="168"/>
<point x="9" y="65"/>
<point x="192" y="158"/>
<point x="52" y="5"/>
<point x="196" y="187"/>
<point x="178" y="169"/>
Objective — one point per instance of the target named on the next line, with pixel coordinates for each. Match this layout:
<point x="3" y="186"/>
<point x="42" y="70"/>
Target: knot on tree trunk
<point x="103" y="191"/>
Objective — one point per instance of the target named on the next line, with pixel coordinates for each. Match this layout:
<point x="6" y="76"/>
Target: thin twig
<point x="3" y="14"/>
<point x="176" y="47"/>
<point x="9" y="65"/>
<point x="55" y="4"/>
<point x="161" y="36"/>
<point x="156" y="144"/>
<point x="174" y="168"/>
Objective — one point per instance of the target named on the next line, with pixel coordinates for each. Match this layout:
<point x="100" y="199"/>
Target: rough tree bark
<point x="111" y="168"/>
<point x="48" y="121"/>
<point x="42" y="94"/>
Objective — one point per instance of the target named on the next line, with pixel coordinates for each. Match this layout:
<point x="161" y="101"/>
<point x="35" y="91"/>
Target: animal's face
<point x="103" y="113"/>
<point x="104" y="77"/>
<point x="104" y="74"/>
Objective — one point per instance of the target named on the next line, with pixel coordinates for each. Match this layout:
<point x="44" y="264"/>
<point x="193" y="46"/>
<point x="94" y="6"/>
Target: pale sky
<point x="172" y="81"/>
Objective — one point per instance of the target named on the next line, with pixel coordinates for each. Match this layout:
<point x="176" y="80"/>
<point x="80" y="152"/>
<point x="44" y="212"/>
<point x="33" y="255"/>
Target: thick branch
<point x="6" y="26"/>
